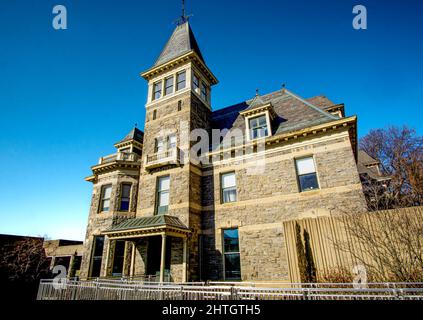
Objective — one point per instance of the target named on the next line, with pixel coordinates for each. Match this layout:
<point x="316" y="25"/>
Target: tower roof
<point x="181" y="42"/>
<point x="135" y="134"/>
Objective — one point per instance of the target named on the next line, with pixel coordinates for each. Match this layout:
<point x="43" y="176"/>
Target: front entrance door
<point x="154" y="255"/>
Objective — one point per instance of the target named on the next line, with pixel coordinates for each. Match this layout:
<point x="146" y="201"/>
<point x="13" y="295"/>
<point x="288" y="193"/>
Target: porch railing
<point x="137" y="290"/>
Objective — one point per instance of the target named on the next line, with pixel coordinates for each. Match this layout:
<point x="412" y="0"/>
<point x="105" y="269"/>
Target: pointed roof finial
<point x="257" y="92"/>
<point x="183" y="18"/>
<point x="135" y="125"/>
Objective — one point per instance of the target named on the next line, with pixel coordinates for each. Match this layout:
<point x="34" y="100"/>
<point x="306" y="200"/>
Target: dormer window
<point x="180" y="80"/>
<point x="258" y="127"/>
<point x="157" y="90"/>
<point x="258" y="118"/>
<point x="168" y="86"/>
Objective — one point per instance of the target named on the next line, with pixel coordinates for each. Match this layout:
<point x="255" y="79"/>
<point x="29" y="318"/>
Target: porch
<point x="154" y="247"/>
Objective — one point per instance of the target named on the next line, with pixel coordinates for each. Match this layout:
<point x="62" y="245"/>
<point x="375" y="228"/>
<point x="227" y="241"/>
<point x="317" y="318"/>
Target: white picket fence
<point x="141" y="290"/>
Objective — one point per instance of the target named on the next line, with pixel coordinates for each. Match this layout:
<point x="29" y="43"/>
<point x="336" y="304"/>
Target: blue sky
<point x="67" y="96"/>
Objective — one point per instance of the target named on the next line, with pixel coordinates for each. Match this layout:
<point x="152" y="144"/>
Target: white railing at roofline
<point x="119" y="156"/>
<point x="142" y="290"/>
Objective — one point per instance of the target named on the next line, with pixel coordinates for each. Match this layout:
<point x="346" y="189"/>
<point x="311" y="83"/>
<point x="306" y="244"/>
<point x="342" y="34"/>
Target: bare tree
<point x="400" y="152"/>
<point x="388" y="243"/>
<point x="24" y="261"/>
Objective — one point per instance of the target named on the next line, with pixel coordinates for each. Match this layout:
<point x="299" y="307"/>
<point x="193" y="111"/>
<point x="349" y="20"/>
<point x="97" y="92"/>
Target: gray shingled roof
<point x="181" y="42"/>
<point x="292" y="113"/>
<point x="148" y="222"/>
<point x="257" y="101"/>
<point x="135" y="134"/>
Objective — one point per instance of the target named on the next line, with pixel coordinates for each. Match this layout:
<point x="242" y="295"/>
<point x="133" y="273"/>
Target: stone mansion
<point x="155" y="211"/>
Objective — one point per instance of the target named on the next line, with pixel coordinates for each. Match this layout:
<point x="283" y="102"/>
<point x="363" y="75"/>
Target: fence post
<point x="233" y="293"/>
<point x="96" y="290"/>
<point x="305" y="294"/>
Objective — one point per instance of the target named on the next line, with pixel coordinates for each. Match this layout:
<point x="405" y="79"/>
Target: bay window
<point x="106" y="192"/>
<point x="125" y="197"/>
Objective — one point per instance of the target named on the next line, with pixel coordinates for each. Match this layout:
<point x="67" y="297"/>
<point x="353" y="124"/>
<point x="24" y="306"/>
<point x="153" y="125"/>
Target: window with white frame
<point x="125" y="197"/>
<point x="106" y="192"/>
<point x="157" y="90"/>
<point x="258" y="127"/>
<point x="180" y="80"/>
<point x="306" y="172"/>
<point x="228" y="185"/>
<point x="195" y="82"/>
<point x="159" y="145"/>
<point x="163" y="187"/>
<point x="168" y="86"/>
<point x="171" y="142"/>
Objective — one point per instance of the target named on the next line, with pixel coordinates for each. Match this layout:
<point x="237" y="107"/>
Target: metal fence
<point x="137" y="290"/>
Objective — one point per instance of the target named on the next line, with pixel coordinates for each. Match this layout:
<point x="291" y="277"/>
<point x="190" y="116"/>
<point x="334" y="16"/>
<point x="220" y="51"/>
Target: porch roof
<point x="147" y="226"/>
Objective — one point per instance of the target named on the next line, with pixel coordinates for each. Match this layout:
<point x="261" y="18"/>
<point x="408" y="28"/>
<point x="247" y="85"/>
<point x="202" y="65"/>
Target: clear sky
<point x="67" y="96"/>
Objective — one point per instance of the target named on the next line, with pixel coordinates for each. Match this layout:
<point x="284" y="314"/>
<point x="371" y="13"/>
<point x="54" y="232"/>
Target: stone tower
<point x="115" y="184"/>
<point x="179" y="101"/>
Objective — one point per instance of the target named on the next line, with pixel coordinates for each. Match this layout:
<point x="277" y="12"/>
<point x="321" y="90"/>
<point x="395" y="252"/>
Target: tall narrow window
<point x="106" y="192"/>
<point x="204" y="93"/>
<point x="163" y="186"/>
<point x="154" y="114"/>
<point x="157" y="90"/>
<point x="195" y="82"/>
<point x="180" y="80"/>
<point x="159" y="147"/>
<point x="228" y="184"/>
<point x="231" y="253"/>
<point x="172" y="141"/>
<point x="179" y="105"/>
<point x="125" y="197"/>
<point x="118" y="258"/>
<point x="258" y="127"/>
<point x="97" y="256"/>
<point x="306" y="172"/>
<point x="168" y="86"/>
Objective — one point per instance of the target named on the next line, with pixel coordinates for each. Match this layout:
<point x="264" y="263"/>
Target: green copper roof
<point x="148" y="222"/>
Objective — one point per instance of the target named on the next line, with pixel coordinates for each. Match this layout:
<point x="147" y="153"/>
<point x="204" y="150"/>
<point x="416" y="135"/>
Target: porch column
<point x="106" y="264"/>
<point x="163" y="258"/>
<point x="70" y="271"/>
<point x="132" y="268"/>
<point x="184" y="261"/>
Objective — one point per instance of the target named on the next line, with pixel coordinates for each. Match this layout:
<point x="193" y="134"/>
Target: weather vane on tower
<point x="183" y="18"/>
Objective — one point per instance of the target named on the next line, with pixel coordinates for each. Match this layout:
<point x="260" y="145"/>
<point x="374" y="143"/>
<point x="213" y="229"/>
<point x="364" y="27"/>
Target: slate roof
<point x="292" y="113"/>
<point x="367" y="165"/>
<point x="148" y="222"/>
<point x="181" y="42"/>
<point x="135" y="134"/>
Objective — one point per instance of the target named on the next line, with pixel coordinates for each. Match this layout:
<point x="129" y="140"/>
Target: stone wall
<point x="100" y="221"/>
<point x="273" y="196"/>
